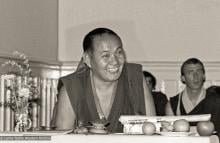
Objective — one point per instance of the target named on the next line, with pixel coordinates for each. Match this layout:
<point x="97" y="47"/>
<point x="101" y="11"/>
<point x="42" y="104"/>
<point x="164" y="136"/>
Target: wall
<point x="157" y="34"/>
<point x="161" y="30"/>
<point x="31" y="27"/>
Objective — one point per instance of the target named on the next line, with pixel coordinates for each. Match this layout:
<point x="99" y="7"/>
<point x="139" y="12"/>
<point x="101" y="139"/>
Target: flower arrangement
<point x="22" y="89"/>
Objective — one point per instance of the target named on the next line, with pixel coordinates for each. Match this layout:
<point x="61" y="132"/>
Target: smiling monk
<point x="104" y="87"/>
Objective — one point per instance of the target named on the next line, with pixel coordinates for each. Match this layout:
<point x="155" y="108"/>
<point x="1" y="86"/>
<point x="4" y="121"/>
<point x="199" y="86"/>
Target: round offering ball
<point x="205" y="128"/>
<point x="181" y="125"/>
<point x="148" y="128"/>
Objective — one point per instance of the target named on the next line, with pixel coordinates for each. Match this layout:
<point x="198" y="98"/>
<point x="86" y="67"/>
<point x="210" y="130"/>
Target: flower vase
<point x="22" y="122"/>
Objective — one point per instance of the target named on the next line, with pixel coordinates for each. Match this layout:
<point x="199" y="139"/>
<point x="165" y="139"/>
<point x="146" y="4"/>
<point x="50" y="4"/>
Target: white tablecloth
<point x="110" y="138"/>
<point x="131" y="139"/>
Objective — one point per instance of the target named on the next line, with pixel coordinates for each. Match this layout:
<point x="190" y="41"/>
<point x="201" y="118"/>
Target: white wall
<point x="159" y="34"/>
<point x="152" y="30"/>
<point x="31" y="27"/>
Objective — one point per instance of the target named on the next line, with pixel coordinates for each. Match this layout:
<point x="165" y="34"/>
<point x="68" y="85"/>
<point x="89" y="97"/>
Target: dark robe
<point x="209" y="105"/>
<point x="129" y="98"/>
<point x="160" y="101"/>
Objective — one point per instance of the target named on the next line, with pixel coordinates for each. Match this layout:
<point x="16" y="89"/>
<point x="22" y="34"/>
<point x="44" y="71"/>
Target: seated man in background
<point x="160" y="99"/>
<point x="194" y="99"/>
<point x="104" y="86"/>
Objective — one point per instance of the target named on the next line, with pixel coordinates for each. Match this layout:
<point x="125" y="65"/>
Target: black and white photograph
<point x="110" y="71"/>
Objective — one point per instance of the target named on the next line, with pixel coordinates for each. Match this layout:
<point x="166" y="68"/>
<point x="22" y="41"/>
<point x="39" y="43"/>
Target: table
<point x="110" y="138"/>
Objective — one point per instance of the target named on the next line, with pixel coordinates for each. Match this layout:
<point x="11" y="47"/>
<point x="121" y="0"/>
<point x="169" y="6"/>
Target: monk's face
<point x="107" y="57"/>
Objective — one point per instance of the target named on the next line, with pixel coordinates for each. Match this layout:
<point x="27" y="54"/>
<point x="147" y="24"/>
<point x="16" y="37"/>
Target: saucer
<point x="98" y="131"/>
